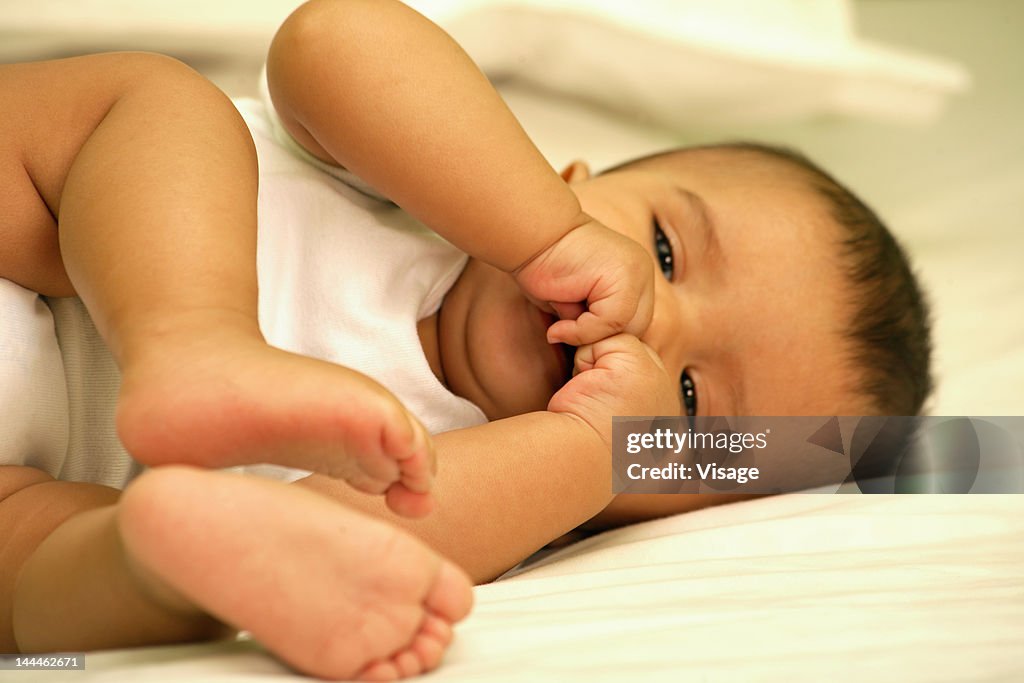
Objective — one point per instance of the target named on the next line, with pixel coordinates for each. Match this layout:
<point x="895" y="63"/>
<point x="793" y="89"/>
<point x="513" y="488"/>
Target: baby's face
<point x="748" y="295"/>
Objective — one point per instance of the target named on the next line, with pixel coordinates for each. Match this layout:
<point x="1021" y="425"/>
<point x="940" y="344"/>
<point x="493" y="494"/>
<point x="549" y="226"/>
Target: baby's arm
<point x="507" y="488"/>
<point x="504" y="489"/>
<point x="377" y="88"/>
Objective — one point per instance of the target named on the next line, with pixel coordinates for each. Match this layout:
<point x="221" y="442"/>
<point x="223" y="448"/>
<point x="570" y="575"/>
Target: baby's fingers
<point x="623" y="309"/>
<point x="635" y="311"/>
<point x="610" y="350"/>
<point x="591" y="327"/>
<point x="586" y="329"/>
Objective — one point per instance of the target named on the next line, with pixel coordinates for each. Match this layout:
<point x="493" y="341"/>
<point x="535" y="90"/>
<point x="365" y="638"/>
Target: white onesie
<point x="344" y="276"/>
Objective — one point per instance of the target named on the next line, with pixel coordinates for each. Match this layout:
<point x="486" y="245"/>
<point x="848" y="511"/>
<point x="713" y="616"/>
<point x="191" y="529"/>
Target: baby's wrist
<point x="578" y="221"/>
<point x="578" y="427"/>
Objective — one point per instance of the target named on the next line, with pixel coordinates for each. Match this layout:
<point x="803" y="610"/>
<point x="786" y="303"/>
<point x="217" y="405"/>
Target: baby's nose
<point x="669" y="334"/>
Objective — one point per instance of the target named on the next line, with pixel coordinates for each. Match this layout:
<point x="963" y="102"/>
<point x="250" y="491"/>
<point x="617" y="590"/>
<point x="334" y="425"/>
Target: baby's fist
<point x="598" y="281"/>
<point x="619" y="375"/>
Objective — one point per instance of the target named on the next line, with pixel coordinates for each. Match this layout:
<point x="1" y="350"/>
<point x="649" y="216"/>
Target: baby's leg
<point x="185" y="551"/>
<point x="148" y="175"/>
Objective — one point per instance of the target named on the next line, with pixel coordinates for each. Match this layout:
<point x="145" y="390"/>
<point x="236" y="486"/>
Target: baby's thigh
<point x="31" y="254"/>
<point x="28" y="228"/>
<point x="49" y="111"/>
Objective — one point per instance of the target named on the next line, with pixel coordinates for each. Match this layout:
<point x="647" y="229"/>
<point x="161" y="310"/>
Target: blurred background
<point x="917" y="105"/>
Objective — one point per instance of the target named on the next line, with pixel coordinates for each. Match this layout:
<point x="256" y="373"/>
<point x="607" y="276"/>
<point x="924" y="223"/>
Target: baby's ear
<point x="576" y="171"/>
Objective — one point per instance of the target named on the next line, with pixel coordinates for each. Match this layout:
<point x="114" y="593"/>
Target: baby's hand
<point x="595" y="266"/>
<point x="619" y="375"/>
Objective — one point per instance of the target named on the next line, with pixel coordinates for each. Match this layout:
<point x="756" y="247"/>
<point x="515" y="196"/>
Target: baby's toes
<point x="413" y="453"/>
<point x="408" y="443"/>
<point x="380" y="446"/>
<point x="404" y="664"/>
<point x="449" y="599"/>
<point x="406" y="503"/>
<point x="380" y="671"/>
<point x="431" y="642"/>
<point x="423" y="654"/>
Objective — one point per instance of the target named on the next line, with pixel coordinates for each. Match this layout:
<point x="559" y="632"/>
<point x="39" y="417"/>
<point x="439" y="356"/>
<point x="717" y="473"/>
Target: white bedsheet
<point x="793" y="588"/>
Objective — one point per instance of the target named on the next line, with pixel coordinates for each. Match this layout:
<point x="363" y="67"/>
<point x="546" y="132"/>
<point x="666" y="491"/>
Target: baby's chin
<point x="506" y="405"/>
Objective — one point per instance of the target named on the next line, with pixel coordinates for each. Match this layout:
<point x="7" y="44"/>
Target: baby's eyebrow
<point x="713" y="253"/>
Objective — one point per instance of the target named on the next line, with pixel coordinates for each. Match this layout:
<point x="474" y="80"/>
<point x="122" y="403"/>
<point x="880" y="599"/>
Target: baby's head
<point x="864" y="323"/>
<point x="778" y="292"/>
<point x="888" y="332"/>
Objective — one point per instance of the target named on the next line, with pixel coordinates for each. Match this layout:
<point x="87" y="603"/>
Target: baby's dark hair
<point x="890" y="330"/>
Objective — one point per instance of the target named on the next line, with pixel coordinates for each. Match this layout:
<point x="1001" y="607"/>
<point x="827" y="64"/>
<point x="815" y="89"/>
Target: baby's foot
<point x="220" y="400"/>
<point x="330" y="591"/>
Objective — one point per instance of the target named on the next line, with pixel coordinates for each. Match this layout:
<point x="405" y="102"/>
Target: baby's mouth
<point x="569" y="354"/>
<point x="566" y="354"/>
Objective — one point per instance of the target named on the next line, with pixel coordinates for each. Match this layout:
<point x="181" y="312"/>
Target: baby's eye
<point x="663" y="252"/>
<point x="689" y="394"/>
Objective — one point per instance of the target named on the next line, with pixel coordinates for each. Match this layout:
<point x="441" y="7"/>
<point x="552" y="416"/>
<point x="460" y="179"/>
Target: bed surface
<point x="798" y="587"/>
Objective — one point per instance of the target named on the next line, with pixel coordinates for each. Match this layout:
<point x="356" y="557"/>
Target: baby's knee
<point x="165" y="81"/>
<point x="140" y="67"/>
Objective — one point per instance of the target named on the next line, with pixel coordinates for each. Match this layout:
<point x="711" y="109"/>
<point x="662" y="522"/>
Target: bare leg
<point x="70" y="523"/>
<point x="153" y="186"/>
<point x="186" y="551"/>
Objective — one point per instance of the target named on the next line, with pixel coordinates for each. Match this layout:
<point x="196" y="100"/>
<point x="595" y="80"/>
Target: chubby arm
<point x="503" y="490"/>
<point x="381" y="90"/>
<point x="507" y="488"/>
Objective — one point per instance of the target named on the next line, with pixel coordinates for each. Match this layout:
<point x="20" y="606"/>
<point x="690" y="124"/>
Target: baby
<point x="720" y="280"/>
